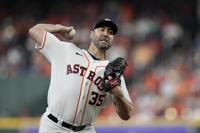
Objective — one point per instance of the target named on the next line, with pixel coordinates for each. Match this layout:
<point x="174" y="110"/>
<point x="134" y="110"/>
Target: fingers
<point x="64" y="29"/>
<point x="69" y="29"/>
<point x="108" y="78"/>
<point x="70" y="33"/>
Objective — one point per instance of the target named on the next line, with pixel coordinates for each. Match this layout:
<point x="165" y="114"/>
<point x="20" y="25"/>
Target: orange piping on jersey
<point x="88" y="95"/>
<point x="43" y="40"/>
<point x="81" y="87"/>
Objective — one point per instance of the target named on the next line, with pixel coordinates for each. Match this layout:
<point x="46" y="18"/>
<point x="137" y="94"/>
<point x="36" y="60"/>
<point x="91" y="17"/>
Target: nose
<point x="105" y="32"/>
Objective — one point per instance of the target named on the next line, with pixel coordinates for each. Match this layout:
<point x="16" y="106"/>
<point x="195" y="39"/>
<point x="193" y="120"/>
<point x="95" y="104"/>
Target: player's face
<point x="102" y="37"/>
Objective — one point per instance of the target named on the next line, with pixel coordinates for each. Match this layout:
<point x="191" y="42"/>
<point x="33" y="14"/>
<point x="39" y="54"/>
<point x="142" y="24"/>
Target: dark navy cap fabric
<point x="106" y="22"/>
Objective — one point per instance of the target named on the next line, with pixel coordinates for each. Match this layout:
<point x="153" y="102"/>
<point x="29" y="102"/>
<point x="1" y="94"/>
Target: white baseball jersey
<point x="75" y="94"/>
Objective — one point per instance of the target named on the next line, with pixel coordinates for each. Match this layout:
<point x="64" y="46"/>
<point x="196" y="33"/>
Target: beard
<point x="103" y="45"/>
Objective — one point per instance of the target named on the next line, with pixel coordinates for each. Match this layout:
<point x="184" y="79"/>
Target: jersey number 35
<point x="97" y="99"/>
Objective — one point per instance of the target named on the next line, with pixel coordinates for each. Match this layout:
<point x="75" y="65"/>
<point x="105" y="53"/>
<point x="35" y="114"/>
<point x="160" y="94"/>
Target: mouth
<point x="104" y="40"/>
<point x="104" y="44"/>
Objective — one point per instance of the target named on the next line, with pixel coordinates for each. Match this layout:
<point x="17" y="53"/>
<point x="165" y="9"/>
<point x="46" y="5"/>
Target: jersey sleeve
<point x="51" y="46"/>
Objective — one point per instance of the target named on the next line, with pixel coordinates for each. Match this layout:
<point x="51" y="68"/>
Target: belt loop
<point x="60" y="121"/>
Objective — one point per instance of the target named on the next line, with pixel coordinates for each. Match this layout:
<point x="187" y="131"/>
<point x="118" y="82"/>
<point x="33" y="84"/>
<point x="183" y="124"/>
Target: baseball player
<point x="82" y="81"/>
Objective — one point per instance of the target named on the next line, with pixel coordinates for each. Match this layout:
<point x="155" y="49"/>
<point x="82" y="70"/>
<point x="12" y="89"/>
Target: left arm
<point x="123" y="107"/>
<point x="114" y="83"/>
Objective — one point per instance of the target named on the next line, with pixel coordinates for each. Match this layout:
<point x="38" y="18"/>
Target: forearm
<point x="123" y="106"/>
<point x="52" y="28"/>
<point x="37" y="31"/>
<point x="48" y="27"/>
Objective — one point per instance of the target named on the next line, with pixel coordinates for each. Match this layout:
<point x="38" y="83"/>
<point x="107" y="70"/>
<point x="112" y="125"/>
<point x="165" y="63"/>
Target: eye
<point x="101" y="29"/>
<point x="111" y="32"/>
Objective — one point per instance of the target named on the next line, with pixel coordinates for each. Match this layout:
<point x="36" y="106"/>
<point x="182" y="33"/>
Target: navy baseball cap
<point x="106" y="22"/>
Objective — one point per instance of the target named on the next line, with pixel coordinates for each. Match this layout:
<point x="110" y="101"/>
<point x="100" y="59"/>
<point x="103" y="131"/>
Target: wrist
<point x="116" y="92"/>
<point x="58" y="27"/>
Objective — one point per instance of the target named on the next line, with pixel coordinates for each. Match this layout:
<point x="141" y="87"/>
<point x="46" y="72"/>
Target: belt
<point x="65" y="124"/>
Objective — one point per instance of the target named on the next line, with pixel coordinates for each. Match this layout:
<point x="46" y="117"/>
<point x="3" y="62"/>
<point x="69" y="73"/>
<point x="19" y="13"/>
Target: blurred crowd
<point x="159" y="40"/>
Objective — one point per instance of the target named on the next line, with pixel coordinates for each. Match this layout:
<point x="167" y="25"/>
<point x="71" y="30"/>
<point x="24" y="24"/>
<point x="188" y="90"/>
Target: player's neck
<point x="96" y="53"/>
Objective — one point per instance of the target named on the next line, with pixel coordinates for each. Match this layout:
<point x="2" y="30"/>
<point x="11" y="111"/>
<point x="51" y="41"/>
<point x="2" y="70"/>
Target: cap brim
<point x="110" y="24"/>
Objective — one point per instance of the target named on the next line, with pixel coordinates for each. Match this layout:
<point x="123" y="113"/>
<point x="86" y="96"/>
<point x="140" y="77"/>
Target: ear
<point x="91" y="34"/>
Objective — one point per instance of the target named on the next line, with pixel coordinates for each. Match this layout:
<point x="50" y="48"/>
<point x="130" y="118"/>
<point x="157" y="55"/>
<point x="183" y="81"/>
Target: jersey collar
<point x="89" y="56"/>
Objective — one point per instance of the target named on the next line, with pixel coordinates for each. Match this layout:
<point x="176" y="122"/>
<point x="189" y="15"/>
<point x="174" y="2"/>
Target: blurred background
<point x="159" y="39"/>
